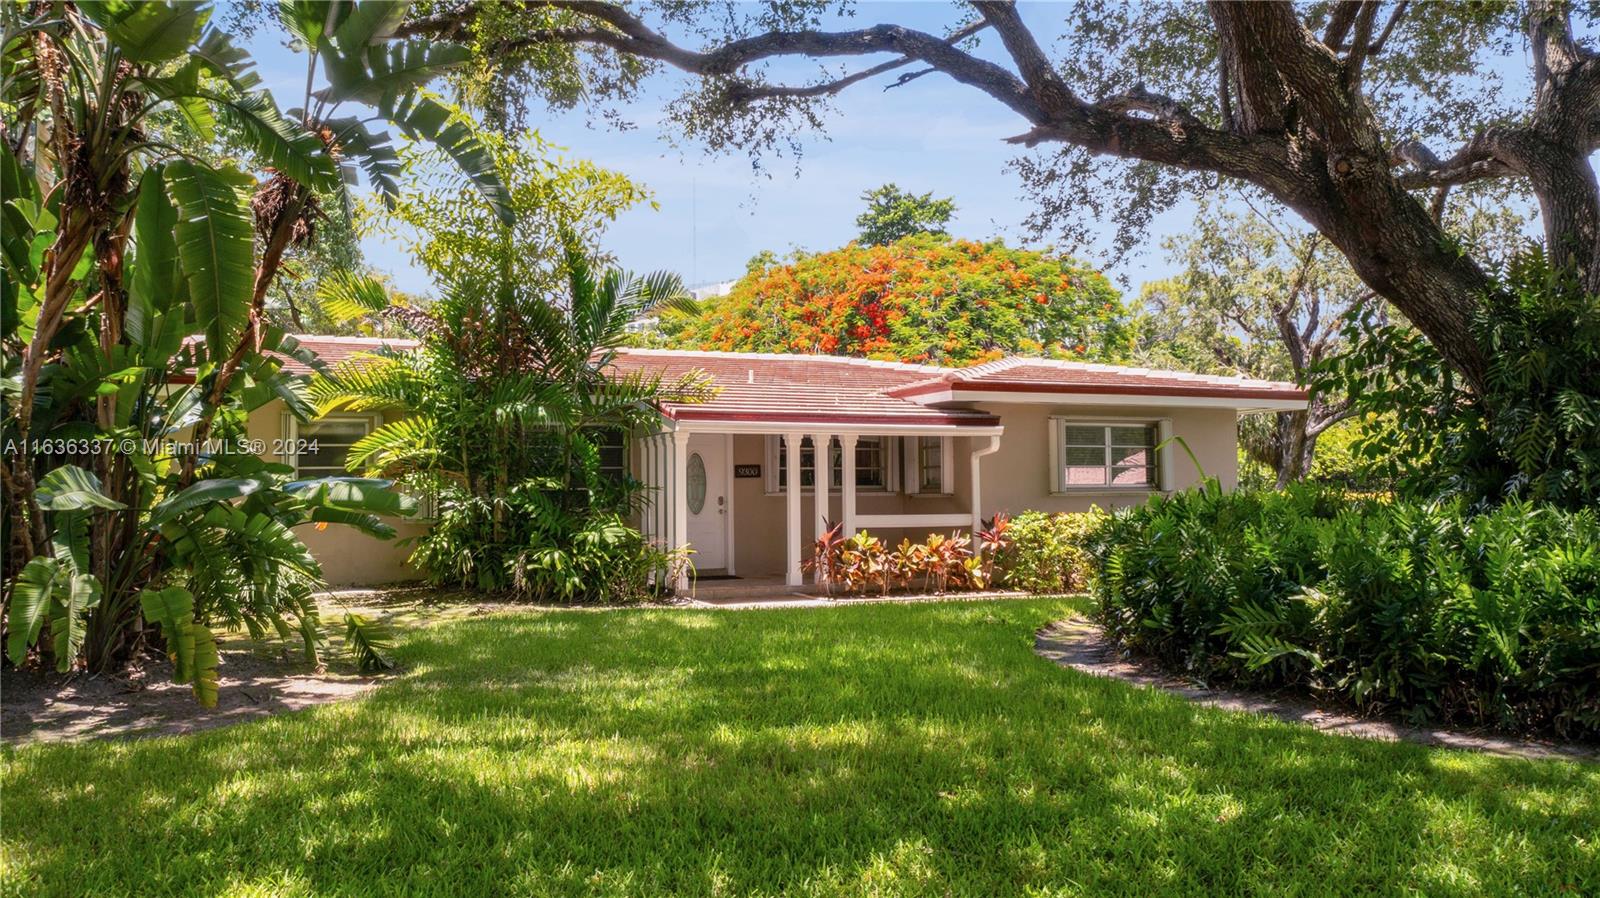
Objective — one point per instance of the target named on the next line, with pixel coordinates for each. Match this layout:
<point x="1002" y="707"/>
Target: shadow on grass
<point x="873" y="749"/>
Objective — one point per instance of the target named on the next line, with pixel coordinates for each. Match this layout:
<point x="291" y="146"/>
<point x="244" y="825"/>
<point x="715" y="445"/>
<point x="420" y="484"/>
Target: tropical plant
<point x="1048" y="553"/>
<point x="1410" y="607"/>
<point x="505" y="408"/>
<point x="926" y="298"/>
<point x="992" y="540"/>
<point x="1534" y="429"/>
<point x="862" y="561"/>
<point x="825" y="555"/>
<point x="131" y="490"/>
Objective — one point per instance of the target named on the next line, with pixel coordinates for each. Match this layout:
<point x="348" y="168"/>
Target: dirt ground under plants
<point x="259" y="678"/>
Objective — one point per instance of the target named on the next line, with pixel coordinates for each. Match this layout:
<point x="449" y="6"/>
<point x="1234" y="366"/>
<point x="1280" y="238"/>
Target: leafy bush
<point x="540" y="544"/>
<point x="1533" y="432"/>
<point x="1488" y="620"/>
<point x="1048" y="552"/>
<point x="862" y="562"/>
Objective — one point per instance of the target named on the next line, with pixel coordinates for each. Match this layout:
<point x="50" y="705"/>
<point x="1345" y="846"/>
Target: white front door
<point x="706" y="488"/>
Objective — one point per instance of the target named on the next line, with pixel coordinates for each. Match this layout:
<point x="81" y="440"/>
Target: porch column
<point x="847" y="477"/>
<point x="977" y="483"/>
<point x="680" y="496"/>
<point x="791" y="445"/>
<point x="824" y="482"/>
<point x="654" y="455"/>
<point x="646" y="513"/>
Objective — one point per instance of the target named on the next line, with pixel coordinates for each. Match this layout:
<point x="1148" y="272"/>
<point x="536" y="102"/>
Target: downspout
<point x="977" y="482"/>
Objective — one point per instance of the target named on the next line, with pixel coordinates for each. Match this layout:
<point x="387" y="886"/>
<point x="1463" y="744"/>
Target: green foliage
<point x="1534" y="433"/>
<point x="925" y="299"/>
<point x="541" y="544"/>
<point x="1422" y="609"/>
<point x="512" y="389"/>
<point x="469" y="253"/>
<point x="893" y="214"/>
<point x="134" y="499"/>
<point x="1048" y="553"/>
<point x="370" y="642"/>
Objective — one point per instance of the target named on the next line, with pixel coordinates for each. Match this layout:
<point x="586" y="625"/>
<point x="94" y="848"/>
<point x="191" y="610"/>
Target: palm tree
<point x="488" y="379"/>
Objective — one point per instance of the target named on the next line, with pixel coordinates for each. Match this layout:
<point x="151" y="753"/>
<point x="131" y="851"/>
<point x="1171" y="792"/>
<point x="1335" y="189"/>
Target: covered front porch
<point x="749" y="498"/>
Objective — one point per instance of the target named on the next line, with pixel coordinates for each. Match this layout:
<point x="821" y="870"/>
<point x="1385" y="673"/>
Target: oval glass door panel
<point x="696" y="474"/>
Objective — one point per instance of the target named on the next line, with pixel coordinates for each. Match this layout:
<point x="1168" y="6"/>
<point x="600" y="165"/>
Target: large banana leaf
<point x="354" y="494"/>
<point x="369" y="21"/>
<point x="173" y="609"/>
<point x="275" y="340"/>
<point x="30" y="605"/>
<point x="69" y="542"/>
<point x="227" y="61"/>
<point x="204" y="492"/>
<point x="71" y="487"/>
<point x="307" y="20"/>
<point x="367" y="523"/>
<point x="215" y="250"/>
<point x="421" y="117"/>
<point x="155" y="282"/>
<point x="148" y="32"/>
<point x="67" y="618"/>
<point x="206" y="664"/>
<point x="392" y="70"/>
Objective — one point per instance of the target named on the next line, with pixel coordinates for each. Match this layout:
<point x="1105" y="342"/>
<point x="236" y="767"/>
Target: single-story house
<point x="909" y="449"/>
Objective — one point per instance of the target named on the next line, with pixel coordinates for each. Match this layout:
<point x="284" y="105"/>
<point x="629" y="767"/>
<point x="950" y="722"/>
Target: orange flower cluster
<point x="926" y="299"/>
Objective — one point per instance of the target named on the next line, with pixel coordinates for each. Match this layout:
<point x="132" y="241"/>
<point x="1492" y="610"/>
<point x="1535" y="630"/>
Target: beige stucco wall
<point x="1016" y="478"/>
<point x="348" y="556"/>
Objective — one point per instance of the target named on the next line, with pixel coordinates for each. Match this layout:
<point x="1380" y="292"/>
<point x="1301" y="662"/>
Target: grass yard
<point x="867" y="750"/>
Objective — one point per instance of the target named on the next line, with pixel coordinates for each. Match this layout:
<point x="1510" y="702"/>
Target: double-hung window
<point x="320" y="448"/>
<point x="874" y="464"/>
<point x="1089" y="455"/>
<point x="928" y="466"/>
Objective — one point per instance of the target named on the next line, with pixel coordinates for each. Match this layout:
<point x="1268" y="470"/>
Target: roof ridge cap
<point x="1146" y="372"/>
<point x="782" y="356"/>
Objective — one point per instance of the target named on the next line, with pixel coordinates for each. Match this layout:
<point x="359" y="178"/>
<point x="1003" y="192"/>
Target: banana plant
<point x="122" y="237"/>
<point x="365" y="66"/>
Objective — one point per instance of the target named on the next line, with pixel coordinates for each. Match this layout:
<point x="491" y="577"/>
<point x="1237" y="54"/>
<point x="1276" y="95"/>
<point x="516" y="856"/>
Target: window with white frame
<point x="1104" y="455"/>
<point x="874" y="464"/>
<point x="928" y="466"/>
<point x="320" y="448"/>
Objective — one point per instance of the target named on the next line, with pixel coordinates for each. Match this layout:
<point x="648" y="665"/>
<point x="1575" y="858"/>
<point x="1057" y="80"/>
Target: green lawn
<point x="867" y="750"/>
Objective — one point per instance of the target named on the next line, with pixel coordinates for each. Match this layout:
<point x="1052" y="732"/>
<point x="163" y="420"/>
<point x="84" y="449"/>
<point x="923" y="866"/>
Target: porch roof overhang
<point x="779" y="424"/>
<point x="1243" y="400"/>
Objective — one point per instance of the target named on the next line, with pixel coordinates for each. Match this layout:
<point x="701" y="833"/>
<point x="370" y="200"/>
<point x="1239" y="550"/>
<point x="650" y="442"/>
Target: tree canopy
<point x="926" y="298"/>
<point x="893" y="214"/>
<point x="1326" y="107"/>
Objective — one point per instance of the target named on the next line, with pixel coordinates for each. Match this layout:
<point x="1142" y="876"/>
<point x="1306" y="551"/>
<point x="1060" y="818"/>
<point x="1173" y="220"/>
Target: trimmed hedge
<point x="1490" y="620"/>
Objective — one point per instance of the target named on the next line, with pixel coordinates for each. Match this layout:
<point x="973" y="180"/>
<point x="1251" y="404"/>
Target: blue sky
<point x="715" y="212"/>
